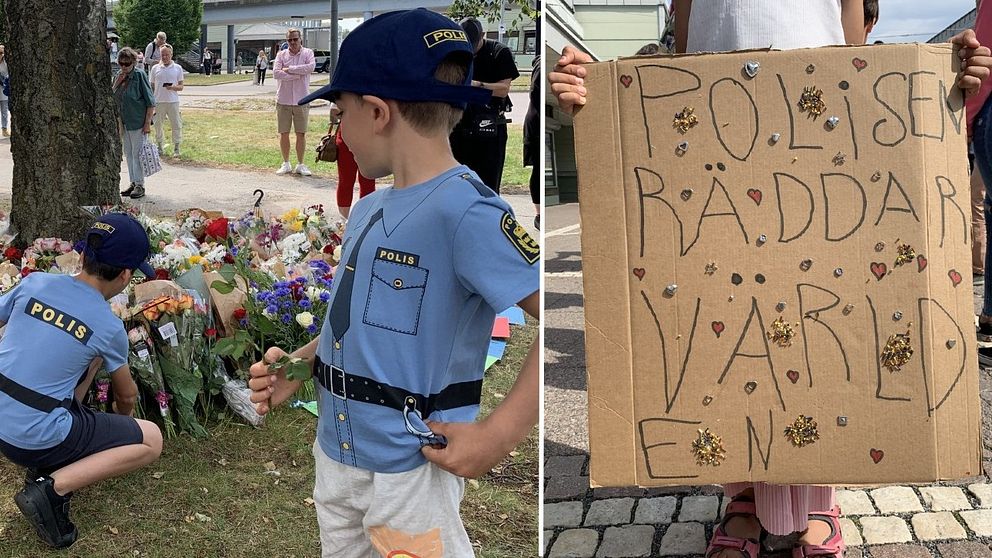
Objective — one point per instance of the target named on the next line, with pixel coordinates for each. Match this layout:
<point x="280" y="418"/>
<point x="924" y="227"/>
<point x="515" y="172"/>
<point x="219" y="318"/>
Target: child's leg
<point x="820" y="498"/>
<point x="738" y="525"/>
<point x="341" y="496"/>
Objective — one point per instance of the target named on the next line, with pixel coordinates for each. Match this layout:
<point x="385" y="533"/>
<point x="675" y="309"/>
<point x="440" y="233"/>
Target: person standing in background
<point x="532" y="139"/>
<point x="136" y="105"/>
<point x="348" y="171"/>
<point x="479" y="140"/>
<point x="208" y="62"/>
<point x="261" y="65"/>
<point x="292" y="68"/>
<point x="167" y="82"/>
<point x="153" y="52"/>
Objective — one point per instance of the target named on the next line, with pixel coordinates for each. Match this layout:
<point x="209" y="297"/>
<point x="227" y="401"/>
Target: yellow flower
<point x="296" y="226"/>
<point x="196" y="260"/>
<point x="290" y="215"/>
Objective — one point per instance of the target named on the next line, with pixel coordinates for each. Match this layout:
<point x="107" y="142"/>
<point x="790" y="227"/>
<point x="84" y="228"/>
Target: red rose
<point x="162" y="274"/>
<point x="12" y="254"/>
<point x="328" y="249"/>
<point x="211" y="333"/>
<point x="217" y="228"/>
<point x="240" y="314"/>
<point x="25" y="271"/>
<point x="228" y="258"/>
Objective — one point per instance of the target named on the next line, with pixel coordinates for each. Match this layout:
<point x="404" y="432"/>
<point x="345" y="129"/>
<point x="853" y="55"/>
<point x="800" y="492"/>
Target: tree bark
<point x="65" y="142"/>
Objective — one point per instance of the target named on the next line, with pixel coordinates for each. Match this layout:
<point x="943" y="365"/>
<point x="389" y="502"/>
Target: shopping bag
<point x="148" y="158"/>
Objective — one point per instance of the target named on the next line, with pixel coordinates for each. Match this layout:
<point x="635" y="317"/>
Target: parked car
<point x="322" y="58"/>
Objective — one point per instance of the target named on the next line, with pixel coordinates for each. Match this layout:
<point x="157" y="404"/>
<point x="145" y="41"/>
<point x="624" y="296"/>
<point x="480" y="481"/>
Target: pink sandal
<point x="722" y="541"/>
<point x="833" y="547"/>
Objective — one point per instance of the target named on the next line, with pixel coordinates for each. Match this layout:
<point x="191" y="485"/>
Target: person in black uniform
<point x="479" y="140"/>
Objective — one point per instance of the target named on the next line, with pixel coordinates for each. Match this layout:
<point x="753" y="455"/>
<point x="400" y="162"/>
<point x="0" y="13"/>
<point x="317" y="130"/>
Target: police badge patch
<point x="520" y="240"/>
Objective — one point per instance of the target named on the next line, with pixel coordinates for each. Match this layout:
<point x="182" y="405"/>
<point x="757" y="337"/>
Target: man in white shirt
<point x="167" y="82"/>
<point x="153" y="52"/>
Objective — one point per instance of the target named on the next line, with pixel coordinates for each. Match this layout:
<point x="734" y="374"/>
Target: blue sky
<point x="904" y="21"/>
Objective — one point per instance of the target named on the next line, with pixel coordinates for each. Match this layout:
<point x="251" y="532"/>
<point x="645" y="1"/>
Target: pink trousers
<point x="784" y="509"/>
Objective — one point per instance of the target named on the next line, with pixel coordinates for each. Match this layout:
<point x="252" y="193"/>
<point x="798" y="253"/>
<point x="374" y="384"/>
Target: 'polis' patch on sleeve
<point x="59" y="319"/>
<point x="520" y="240"/>
<point x="435" y="38"/>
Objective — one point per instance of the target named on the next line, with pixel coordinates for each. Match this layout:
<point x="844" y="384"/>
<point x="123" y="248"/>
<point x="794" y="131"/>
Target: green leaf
<point x="222" y="287"/>
<point x="298" y="370"/>
<point x="265" y="325"/>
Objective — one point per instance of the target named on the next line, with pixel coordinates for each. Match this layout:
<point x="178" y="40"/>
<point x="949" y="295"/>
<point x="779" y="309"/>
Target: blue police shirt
<point x="56" y="326"/>
<point x="431" y="275"/>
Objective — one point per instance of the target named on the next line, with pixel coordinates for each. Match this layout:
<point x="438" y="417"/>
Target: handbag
<point x="148" y="157"/>
<point x="327" y="149"/>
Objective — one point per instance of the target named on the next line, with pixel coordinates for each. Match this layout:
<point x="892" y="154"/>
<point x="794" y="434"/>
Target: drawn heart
<point x="751" y="68"/>
<point x="793" y="375"/>
<point x="921" y="262"/>
<point x="754" y="195"/>
<point x="876" y="455"/>
<point x="955" y="277"/>
<point x="878" y="270"/>
<point x="639" y="272"/>
<point x="626" y="80"/>
<point x="718" y="328"/>
<point x="859" y="64"/>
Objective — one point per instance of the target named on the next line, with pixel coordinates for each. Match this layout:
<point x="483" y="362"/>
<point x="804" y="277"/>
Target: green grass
<point x="215" y="79"/>
<point x="234" y="139"/>
<point x="256" y="515"/>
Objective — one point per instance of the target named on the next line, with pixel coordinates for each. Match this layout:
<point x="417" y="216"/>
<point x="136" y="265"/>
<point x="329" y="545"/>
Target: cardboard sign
<point x="773" y="239"/>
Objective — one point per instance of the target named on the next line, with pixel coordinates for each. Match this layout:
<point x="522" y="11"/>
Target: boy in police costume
<point x="426" y="266"/>
<point x="60" y="331"/>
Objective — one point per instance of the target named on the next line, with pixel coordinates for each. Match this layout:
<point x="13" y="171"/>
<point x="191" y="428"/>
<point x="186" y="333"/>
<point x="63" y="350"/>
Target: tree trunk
<point x="65" y="142"/>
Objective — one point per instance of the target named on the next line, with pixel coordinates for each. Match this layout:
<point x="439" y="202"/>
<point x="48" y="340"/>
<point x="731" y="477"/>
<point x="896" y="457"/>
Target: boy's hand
<point x="976" y="61"/>
<point x="472" y="450"/>
<point x="567" y="79"/>
<point x="264" y="381"/>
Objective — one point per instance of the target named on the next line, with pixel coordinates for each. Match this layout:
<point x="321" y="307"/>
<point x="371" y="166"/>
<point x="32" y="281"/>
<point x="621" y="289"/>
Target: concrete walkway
<point x="949" y="520"/>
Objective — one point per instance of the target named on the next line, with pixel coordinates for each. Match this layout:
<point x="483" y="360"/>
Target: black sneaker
<point x="985" y="357"/>
<point x="139" y="192"/>
<point x="47" y="512"/>
<point x="127" y="193"/>
<point x="984" y="330"/>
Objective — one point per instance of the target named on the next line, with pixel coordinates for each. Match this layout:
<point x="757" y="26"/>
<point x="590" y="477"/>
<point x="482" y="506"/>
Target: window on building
<point x="530" y="42"/>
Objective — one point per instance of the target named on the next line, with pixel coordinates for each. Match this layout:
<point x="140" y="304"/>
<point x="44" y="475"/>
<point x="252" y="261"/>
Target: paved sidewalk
<point x="953" y="520"/>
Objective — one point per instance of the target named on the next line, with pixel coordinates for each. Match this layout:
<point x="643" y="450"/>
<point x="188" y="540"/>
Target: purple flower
<point x="243" y="322"/>
<point x="234" y="250"/>
<point x="286" y="318"/>
<point x="312" y="328"/>
<point x="305" y="304"/>
<point x="272" y="308"/>
<point x="325" y="296"/>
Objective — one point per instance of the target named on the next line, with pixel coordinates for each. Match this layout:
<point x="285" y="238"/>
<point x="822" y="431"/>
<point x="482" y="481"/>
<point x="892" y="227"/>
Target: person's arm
<point x="270" y="390"/>
<point x="149" y="50"/>
<point x="474" y="448"/>
<point x="125" y="390"/>
<point x="178" y="86"/>
<point x="310" y="62"/>
<point x="567" y="79"/>
<point x="279" y="72"/>
<point x="500" y="88"/>
<point x="682" y="10"/>
<point x="852" y="16"/>
<point x="976" y="61"/>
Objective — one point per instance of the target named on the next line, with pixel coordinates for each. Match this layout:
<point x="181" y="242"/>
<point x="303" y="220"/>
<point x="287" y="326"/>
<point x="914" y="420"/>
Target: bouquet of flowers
<point x="42" y="253"/>
<point x="144" y="365"/>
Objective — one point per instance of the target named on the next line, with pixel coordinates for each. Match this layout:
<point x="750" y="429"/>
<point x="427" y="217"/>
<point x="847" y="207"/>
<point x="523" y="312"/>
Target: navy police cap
<point x="394" y="56"/>
<point x="124" y="243"/>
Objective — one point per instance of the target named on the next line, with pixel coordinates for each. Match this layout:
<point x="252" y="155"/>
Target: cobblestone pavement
<point x="949" y="520"/>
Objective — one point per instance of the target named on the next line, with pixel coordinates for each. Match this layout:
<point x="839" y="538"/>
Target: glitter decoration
<point x="950" y="343"/>
<point x="681" y="148"/>
<point x="710" y="268"/>
<point x="671" y="289"/>
<point x="782" y="332"/>
<point x="838" y="272"/>
<point x="708" y="449"/>
<point x="879" y="246"/>
<point x="839" y="159"/>
<point x="805" y="265"/>
<point x="841" y="421"/>
<point x="896" y="316"/>
<point x="762" y="239"/>
<point x="897" y="352"/>
<point x="707" y="400"/>
<point x="750" y="387"/>
<point x="905" y="254"/>
<point x="876" y="177"/>
<point x="686" y="194"/>
<point x="811" y="101"/>
<point x="832" y="122"/>
<point x="848" y="309"/>
<point x="780" y="306"/>
<point x="802" y="432"/>
<point x="685" y="120"/>
<point x="751" y="68"/>
<point x="775" y="137"/>
<point x="810" y="69"/>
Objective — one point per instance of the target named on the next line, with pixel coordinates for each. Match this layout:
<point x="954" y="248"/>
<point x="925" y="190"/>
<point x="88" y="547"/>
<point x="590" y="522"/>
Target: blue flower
<point x="243" y="322"/>
<point x="234" y="250"/>
<point x="301" y="280"/>
<point x="287" y="304"/>
<point x="312" y="328"/>
<point x="286" y="318"/>
<point x="305" y="304"/>
<point x="272" y="309"/>
<point x="262" y="296"/>
<point x="325" y="296"/>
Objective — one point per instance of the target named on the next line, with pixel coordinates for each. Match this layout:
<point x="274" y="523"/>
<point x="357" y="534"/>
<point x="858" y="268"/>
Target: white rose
<point x="337" y="253"/>
<point x="305" y="319"/>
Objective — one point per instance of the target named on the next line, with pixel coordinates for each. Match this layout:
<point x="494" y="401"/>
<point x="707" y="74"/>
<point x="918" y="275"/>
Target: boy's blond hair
<point x="429" y="118"/>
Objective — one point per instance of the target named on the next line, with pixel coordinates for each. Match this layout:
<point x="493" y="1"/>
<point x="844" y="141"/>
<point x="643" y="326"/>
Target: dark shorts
<point x="91" y="432"/>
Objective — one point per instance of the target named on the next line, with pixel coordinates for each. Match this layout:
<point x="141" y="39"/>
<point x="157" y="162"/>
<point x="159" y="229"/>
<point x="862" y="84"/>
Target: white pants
<point x="367" y="515"/>
<point x="170" y="111"/>
<point x="132" y="140"/>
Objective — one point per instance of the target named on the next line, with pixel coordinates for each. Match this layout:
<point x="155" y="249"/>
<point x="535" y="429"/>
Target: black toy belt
<point x="30" y="397"/>
<point x="359" y="388"/>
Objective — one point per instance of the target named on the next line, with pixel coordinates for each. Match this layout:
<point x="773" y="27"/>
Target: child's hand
<point x="264" y="379"/>
<point x="567" y="79"/>
<point x="976" y="61"/>
<point x="472" y="449"/>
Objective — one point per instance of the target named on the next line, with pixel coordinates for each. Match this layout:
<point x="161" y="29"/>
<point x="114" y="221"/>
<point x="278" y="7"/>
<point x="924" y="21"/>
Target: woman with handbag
<point x="347" y="170"/>
<point x="136" y="105"/>
<point x="261" y="65"/>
